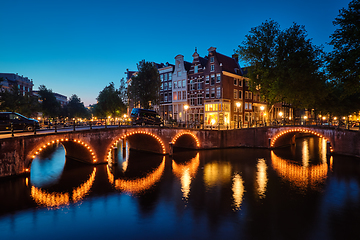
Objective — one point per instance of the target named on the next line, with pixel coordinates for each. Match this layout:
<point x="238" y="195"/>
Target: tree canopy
<point x="109" y="102"/>
<point x="344" y="60"/>
<point x="13" y="101"/>
<point x="284" y="65"/>
<point x="76" y="109"/>
<point x="145" y="86"/>
<point x="50" y="107"/>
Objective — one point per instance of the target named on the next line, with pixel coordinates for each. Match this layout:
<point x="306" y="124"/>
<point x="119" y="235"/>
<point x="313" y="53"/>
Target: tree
<point x="50" y="107"/>
<point x="75" y="108"/>
<point x="13" y="101"/>
<point x="344" y="60"/>
<point x="109" y="102"/>
<point x="284" y="65"/>
<point x="145" y="86"/>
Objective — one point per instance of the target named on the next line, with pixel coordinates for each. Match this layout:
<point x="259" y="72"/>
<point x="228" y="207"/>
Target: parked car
<point x="141" y="116"/>
<point x="19" y="122"/>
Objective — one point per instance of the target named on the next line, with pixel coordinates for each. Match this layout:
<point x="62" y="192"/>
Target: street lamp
<point x="238" y="104"/>
<point x="262" y="113"/>
<point x="186" y="107"/>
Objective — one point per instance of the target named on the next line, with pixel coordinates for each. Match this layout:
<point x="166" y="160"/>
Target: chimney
<point x="236" y="57"/>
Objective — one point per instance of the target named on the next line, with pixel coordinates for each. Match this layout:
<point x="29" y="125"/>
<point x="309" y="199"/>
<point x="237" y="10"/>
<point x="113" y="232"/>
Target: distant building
<point x="24" y="84"/>
<point x="60" y="98"/>
<point x="179" y="91"/>
<point x="196" y="94"/>
<point x="165" y="107"/>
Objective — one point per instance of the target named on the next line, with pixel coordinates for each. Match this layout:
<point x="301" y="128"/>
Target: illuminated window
<point x="175" y="95"/>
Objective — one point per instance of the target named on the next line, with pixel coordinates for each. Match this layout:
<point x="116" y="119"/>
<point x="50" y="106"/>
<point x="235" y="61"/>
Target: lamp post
<point x="238" y="104"/>
<point x="186" y="107"/>
<point x="281" y="115"/>
<point x="262" y="113"/>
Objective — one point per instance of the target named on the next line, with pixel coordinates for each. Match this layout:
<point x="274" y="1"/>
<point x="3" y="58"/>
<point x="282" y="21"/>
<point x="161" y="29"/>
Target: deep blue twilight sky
<point x="79" y="47"/>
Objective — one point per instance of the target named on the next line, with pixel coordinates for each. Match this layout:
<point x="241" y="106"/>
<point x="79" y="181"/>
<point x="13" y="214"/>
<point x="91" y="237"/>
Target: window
<point x="250" y="95"/>
<point x="184" y="95"/>
<point x="196" y="69"/>
<point x="212" y="92"/>
<point x="165" y="98"/>
<point x="235" y="94"/>
<point x="165" y="85"/>
<point x="212" y="79"/>
<point x="246" y="106"/>
<point x="240" y="83"/>
<point x="212" y="67"/>
<point x="170" y="85"/>
<point x="179" y="74"/>
<point x="235" y="82"/>
<point x="218" y="77"/>
<point x="179" y="95"/>
<point x="207" y="79"/>
<point x="199" y="100"/>
<point x="170" y="76"/>
<point x="175" y="85"/>
<point x="212" y="59"/>
<point x="183" y="83"/>
<point x="165" y="77"/>
<point x="250" y="106"/>
<point x="240" y="94"/>
<point x="162" y="77"/>
<point x="199" y="86"/>
<point x="218" y="92"/>
<point x="206" y="93"/>
<point x="161" y="86"/>
<point x="175" y="96"/>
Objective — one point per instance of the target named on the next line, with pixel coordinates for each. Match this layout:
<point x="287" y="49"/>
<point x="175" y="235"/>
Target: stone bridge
<point x="94" y="146"/>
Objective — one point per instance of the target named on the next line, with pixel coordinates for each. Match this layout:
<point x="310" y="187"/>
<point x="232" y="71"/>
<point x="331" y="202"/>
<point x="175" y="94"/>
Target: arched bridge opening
<point x="287" y="137"/>
<point x="185" y="140"/>
<point x="140" y="141"/>
<point x="75" y="149"/>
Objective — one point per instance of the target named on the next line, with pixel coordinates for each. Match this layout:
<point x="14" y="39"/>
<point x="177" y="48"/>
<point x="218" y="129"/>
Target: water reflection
<point x="238" y="191"/>
<point x="56" y="199"/>
<point x="217" y="173"/>
<point x="186" y="172"/>
<point x="313" y="170"/>
<point x="137" y="185"/>
<point x="47" y="167"/>
<point x="261" y="177"/>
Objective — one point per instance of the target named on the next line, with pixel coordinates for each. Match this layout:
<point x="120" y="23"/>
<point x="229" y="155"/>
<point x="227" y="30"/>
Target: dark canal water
<point x="292" y="193"/>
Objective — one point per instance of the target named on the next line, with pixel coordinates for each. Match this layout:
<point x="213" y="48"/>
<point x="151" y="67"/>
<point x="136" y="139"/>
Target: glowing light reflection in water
<point x="261" y="177"/>
<point x="186" y="172"/>
<point x="306" y="175"/>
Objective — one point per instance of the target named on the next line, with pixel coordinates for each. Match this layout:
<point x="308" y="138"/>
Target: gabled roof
<point x="187" y="66"/>
<point x="228" y="64"/>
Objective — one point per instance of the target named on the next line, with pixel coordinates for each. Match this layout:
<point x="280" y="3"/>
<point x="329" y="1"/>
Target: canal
<point x="291" y="193"/>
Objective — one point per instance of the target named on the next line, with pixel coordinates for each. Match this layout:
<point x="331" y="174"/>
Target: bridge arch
<point x="184" y="135"/>
<point x="75" y="148"/>
<point x="136" y="144"/>
<point x="287" y="136"/>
